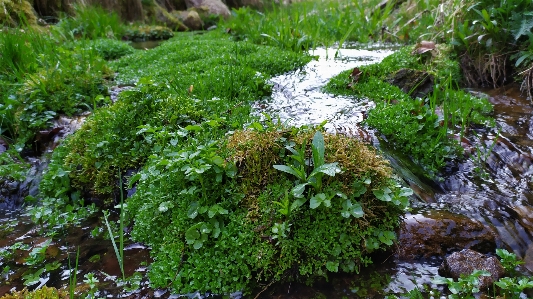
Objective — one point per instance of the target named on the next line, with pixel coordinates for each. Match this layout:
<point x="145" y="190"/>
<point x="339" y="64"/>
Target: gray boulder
<point x="212" y="7"/>
<point x="466" y="261"/>
<point x="191" y="19"/>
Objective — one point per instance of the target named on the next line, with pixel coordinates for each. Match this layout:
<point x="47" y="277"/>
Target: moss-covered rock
<point x="190" y="18"/>
<point x="163" y="17"/>
<point x="14" y="13"/>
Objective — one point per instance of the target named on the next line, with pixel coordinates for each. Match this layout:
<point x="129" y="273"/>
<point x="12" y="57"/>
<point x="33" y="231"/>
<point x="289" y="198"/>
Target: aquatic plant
<point x="68" y="87"/>
<point x="512" y="286"/>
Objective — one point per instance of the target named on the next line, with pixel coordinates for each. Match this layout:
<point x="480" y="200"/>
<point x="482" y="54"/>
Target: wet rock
<point x="437" y="233"/>
<point x="417" y="84"/>
<point x="212" y="7"/>
<point x="528" y="258"/>
<point x="3" y="145"/>
<point x="466" y="261"/>
<point x="525" y="216"/>
<point x="191" y="19"/>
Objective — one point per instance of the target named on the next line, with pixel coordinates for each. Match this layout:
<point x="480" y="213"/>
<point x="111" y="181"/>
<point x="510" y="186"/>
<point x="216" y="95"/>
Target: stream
<point x="501" y="201"/>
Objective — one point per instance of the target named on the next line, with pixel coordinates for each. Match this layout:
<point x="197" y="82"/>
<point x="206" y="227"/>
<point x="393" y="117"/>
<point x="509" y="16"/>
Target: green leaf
<point x="192" y="234"/>
<point x="522" y="58"/>
<point x="256" y="126"/>
<point x="330" y="169"/>
<point x="318" y="149"/>
<point x="352" y="209"/>
<point x="291" y="170"/>
<point x="387" y="237"/>
<point x="383" y="194"/>
<point x="317" y="200"/>
<point x="298" y="203"/>
<point x="332" y="266"/>
<point x="217" y="160"/>
<point x="406" y="192"/>
<point x="440" y="280"/>
<point x="359" y="189"/>
<point x="216" y="209"/>
<point x="164" y="206"/>
<point x="198" y="244"/>
<point x="133" y="180"/>
<point x="298" y="190"/>
<point x="195" y="128"/>
<point x="193" y="210"/>
<point x="216" y="228"/>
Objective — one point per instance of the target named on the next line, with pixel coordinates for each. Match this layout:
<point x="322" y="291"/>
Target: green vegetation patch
<point x="89" y="22"/>
<point x="109" y="49"/>
<point x="419" y="127"/>
<point x="222" y="216"/>
<point x="121" y="138"/>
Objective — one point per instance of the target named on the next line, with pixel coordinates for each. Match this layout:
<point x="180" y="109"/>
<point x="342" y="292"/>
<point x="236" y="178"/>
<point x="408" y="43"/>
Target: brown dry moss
<point x="42" y="293"/>
<point x="255" y="154"/>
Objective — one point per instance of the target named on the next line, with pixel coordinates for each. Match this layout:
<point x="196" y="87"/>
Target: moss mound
<point x="225" y="206"/>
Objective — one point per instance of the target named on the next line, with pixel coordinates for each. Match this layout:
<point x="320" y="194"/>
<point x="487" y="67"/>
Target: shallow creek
<point x="503" y="201"/>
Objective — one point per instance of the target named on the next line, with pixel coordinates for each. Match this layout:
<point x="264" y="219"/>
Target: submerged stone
<point x="440" y="232"/>
<point x="466" y="261"/>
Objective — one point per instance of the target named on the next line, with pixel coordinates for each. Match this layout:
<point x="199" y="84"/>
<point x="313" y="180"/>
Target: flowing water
<point x="502" y="200"/>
